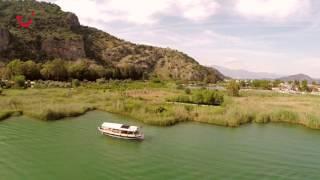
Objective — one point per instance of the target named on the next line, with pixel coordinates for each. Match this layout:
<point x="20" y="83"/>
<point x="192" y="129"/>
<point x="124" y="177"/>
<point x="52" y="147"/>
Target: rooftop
<point x="121" y="127"/>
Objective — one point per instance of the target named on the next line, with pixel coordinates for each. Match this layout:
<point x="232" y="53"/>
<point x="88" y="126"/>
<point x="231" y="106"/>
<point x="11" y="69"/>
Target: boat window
<point x="125" y="126"/>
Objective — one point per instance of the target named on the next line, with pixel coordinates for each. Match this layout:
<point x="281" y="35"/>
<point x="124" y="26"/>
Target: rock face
<point x="72" y="20"/>
<point x="65" y="49"/>
<point x="4" y="39"/>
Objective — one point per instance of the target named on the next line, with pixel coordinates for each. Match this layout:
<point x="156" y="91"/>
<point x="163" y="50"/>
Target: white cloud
<point x="139" y="11"/>
<point x="273" y="9"/>
<point x="197" y="9"/>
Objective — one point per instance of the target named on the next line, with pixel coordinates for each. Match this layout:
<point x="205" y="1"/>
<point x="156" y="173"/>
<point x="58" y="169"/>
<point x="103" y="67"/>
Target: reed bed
<point x="148" y="105"/>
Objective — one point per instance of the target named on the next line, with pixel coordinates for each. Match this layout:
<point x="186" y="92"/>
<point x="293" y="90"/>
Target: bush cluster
<point x="201" y="97"/>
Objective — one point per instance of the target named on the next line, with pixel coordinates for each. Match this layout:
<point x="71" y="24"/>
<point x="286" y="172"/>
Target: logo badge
<point x="22" y="23"/>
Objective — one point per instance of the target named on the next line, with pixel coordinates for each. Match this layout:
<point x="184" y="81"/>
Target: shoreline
<point x="18" y="114"/>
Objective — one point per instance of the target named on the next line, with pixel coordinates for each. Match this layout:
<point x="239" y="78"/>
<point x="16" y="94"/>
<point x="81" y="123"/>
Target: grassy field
<point x="147" y="102"/>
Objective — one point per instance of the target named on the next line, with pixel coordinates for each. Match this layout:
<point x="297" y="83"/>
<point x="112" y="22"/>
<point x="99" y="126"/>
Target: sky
<point x="276" y="36"/>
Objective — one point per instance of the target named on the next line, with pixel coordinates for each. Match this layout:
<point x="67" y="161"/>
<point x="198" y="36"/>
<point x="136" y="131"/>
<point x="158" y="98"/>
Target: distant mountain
<point x="244" y="74"/>
<point x="299" y="77"/>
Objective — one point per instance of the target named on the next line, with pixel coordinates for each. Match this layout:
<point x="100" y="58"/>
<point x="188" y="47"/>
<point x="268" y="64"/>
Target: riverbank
<point x="147" y="102"/>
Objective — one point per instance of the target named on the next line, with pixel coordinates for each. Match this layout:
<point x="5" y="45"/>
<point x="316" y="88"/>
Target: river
<point x="73" y="149"/>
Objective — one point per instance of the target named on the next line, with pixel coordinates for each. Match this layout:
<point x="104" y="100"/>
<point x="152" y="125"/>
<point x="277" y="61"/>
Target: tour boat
<point x="121" y="131"/>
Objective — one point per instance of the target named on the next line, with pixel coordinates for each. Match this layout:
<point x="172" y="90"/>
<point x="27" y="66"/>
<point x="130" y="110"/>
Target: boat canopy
<point x="121" y="127"/>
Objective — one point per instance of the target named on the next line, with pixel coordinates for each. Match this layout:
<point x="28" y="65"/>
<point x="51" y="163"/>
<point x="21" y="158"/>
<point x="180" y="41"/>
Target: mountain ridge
<point x="244" y="74"/>
<point x="299" y="77"/>
<point x="58" y="34"/>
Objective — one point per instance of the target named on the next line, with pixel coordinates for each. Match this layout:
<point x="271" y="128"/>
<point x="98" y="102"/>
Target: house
<point x="287" y="88"/>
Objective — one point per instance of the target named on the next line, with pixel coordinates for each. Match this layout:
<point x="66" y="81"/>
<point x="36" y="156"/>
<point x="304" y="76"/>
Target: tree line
<point x="269" y="84"/>
<point x="61" y="70"/>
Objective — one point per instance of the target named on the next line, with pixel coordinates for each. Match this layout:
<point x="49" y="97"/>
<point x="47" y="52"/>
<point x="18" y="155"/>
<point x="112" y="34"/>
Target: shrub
<point x="160" y="109"/>
<point x="75" y="83"/>
<point x="180" y="86"/>
<point x="156" y="80"/>
<point x="101" y="81"/>
<point x="19" y="81"/>
<point x="182" y="98"/>
<point x="187" y="91"/>
<point x="2" y="84"/>
<point x="262" y="84"/>
<point x="188" y="108"/>
<point x="208" y="97"/>
<point x="233" y="88"/>
<point x="198" y="97"/>
<point x="205" y="97"/>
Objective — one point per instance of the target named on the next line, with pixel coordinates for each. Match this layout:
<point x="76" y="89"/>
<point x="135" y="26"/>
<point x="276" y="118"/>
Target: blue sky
<point x="278" y="36"/>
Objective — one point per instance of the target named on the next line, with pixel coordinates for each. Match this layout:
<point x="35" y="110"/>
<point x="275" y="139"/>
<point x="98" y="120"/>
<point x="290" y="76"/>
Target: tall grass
<point x="7" y="114"/>
<point x="148" y="105"/>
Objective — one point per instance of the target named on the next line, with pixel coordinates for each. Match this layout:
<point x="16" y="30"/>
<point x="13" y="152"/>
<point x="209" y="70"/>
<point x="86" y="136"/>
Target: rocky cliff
<point x="4" y="39"/>
<point x="58" y="34"/>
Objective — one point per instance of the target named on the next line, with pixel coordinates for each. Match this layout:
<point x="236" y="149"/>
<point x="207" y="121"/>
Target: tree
<point x="276" y="83"/>
<point x="55" y="70"/>
<point x="296" y="83"/>
<point x="233" y="88"/>
<point x="14" y="68"/>
<point x="78" y="70"/>
<point x="116" y="74"/>
<point x="243" y="84"/>
<point x="304" y="86"/>
<point x="145" y="76"/>
<point x="31" y="70"/>
<point x="95" y="72"/>
<point x="3" y="73"/>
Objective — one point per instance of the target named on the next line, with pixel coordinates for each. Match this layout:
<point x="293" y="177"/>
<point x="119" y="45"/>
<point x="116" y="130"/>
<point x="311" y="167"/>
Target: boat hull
<point x="140" y="137"/>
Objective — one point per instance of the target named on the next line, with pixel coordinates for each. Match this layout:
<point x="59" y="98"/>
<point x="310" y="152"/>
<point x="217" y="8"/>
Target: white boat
<point x="121" y="131"/>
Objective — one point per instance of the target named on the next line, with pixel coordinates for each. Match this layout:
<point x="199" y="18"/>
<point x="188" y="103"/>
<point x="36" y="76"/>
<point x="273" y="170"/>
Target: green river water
<point x="73" y="149"/>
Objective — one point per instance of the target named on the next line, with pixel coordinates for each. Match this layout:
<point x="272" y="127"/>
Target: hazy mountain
<point x="244" y="74"/>
<point x="299" y="77"/>
<point x="57" y="34"/>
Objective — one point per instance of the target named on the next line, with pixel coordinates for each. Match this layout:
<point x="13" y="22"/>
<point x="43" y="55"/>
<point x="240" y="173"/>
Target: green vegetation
<point x="75" y="83"/>
<point x="147" y="102"/>
<point x="60" y="70"/>
<point x="19" y="81"/>
<point x="200" y="97"/>
<point x="4" y="115"/>
<point x="233" y="88"/>
<point x="262" y="84"/>
<point x="304" y="86"/>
